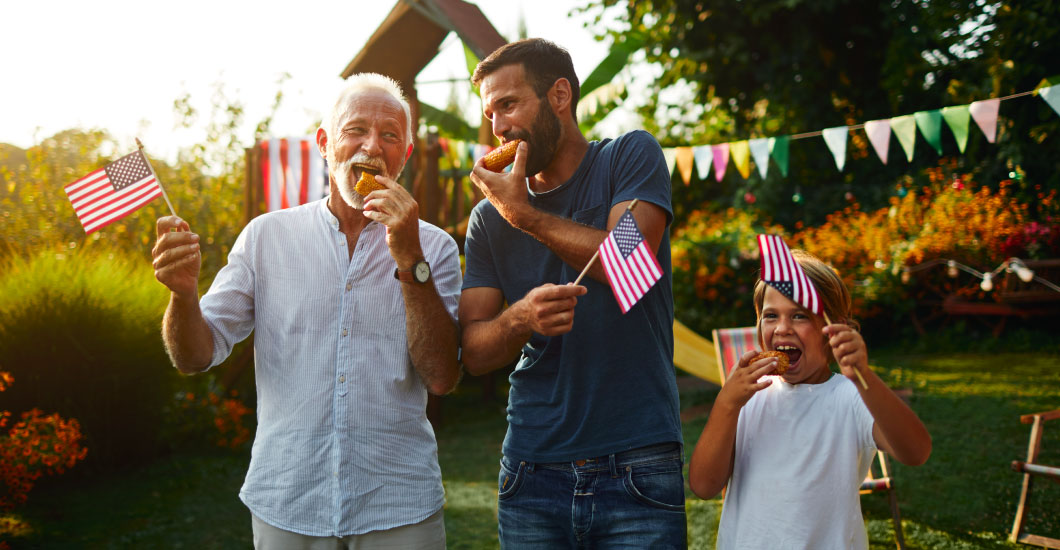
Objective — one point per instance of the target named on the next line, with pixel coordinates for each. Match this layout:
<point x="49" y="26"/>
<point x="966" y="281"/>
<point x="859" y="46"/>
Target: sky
<point x="119" y="65"/>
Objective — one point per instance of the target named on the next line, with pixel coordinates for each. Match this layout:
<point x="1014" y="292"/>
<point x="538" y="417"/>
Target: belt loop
<point x="611" y="465"/>
<point x="529" y="467"/>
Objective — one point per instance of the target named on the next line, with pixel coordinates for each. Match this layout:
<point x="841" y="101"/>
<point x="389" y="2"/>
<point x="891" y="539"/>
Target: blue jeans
<point x="634" y="499"/>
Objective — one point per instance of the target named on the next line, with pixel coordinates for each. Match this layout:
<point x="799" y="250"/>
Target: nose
<point x="372" y="144"/>
<point x="783" y="326"/>
<point x="500" y="125"/>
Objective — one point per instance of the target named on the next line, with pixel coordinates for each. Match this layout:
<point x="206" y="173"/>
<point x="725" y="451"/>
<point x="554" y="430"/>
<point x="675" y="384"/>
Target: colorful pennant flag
<point x="778" y="149"/>
<point x="670" y="155"/>
<point x="836" y="138"/>
<point x="879" y="132"/>
<point x="684" y="163"/>
<point x="741" y="157"/>
<point x="904" y="128"/>
<point x="630" y="265"/>
<point x="957" y="119"/>
<point x="984" y="113"/>
<point x="292" y="172"/>
<point x="760" y="151"/>
<point x="1051" y="95"/>
<point x="704" y="156"/>
<point x="721" y="160"/>
<point x="930" y="124"/>
<point x="782" y="272"/>
<point x="113" y="192"/>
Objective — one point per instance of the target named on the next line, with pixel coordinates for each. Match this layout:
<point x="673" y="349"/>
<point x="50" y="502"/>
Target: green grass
<point x="963" y="498"/>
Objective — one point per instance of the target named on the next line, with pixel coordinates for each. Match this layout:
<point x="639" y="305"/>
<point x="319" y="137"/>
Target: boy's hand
<point x="849" y="349"/>
<point x="744" y="381"/>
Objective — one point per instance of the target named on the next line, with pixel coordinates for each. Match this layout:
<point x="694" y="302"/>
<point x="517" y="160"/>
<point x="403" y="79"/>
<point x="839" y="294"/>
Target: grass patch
<point x="963" y="498"/>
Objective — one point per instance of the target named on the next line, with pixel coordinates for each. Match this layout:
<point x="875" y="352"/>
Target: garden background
<point x="103" y="445"/>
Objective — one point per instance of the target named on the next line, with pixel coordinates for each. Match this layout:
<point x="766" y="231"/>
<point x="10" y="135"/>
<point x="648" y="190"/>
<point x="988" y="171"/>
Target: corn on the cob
<point x="782" y="360"/>
<point x="367" y="184"/>
<point x="502" y="156"/>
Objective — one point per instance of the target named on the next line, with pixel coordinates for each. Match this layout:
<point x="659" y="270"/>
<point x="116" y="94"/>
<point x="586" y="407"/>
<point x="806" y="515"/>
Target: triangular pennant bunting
<point x="957" y="119"/>
<point x="1051" y="95"/>
<point x="930" y="124"/>
<point x="704" y="156"/>
<point x="741" y="157"/>
<point x="879" y="132"/>
<point x="670" y="154"/>
<point x="836" y="138"/>
<point x="904" y="128"/>
<point x="778" y="149"/>
<point x="684" y="163"/>
<point x="985" y="115"/>
<point x="721" y="160"/>
<point x="760" y="152"/>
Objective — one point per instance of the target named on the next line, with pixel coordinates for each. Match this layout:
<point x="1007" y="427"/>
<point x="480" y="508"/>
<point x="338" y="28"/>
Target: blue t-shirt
<point x="608" y="385"/>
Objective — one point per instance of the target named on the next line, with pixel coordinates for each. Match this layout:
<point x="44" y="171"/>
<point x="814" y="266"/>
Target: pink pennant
<point x="879" y="132"/>
<point x="985" y="115"/>
<point x="721" y="159"/>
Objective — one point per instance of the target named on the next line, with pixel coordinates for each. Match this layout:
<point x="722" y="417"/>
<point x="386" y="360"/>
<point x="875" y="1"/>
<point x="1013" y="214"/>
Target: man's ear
<point x="408" y="153"/>
<point x="322" y="142"/>
<point x="560" y="95"/>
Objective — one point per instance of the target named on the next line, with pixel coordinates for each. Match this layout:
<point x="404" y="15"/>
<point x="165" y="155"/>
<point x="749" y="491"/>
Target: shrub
<point x="80" y="332"/>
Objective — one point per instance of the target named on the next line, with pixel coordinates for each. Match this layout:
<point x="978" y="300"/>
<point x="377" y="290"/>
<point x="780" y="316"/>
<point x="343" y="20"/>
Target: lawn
<point x="964" y="497"/>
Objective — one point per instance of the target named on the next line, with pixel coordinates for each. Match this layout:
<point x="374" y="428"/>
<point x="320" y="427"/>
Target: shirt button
<point x="349" y="287"/>
<point x="342" y="378"/>
<point x="344" y="332"/>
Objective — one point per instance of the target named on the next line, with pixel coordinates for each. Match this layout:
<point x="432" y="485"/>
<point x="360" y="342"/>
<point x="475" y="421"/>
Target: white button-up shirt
<point x="343" y="445"/>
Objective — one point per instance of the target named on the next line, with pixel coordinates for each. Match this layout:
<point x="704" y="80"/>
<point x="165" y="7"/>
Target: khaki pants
<point x="427" y="534"/>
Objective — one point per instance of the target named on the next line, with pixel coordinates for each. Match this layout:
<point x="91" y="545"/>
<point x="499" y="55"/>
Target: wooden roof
<point x="409" y="37"/>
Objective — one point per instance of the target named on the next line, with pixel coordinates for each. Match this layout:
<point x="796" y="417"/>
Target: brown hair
<point x="543" y="62"/>
<point x="834" y="296"/>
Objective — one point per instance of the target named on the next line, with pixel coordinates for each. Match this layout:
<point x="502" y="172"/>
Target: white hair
<point x="361" y="82"/>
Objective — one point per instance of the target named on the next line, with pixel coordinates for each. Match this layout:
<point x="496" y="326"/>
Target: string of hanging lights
<point x="953" y="268"/>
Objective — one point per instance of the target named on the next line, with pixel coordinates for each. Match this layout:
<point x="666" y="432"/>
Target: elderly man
<point x="592" y="457"/>
<point x="353" y="301"/>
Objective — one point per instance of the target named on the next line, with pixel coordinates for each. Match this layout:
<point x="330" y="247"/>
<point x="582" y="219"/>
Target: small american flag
<point x="113" y="192"/>
<point x="782" y="272"/>
<point x="630" y="265"/>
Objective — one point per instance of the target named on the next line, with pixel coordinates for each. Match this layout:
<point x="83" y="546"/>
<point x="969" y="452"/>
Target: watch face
<point x="422" y="272"/>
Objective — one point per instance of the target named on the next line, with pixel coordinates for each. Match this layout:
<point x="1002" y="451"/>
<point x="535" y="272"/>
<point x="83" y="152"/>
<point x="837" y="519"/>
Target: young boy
<point x="794" y="448"/>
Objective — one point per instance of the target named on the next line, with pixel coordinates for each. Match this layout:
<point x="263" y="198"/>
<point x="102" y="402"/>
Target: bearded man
<point x="593" y="457"/>
<point x="353" y="300"/>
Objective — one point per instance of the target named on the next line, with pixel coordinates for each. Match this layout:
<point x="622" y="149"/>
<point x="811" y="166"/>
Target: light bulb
<point x="988" y="282"/>
<point x="1023" y="272"/>
<point x="951" y="269"/>
<point x="905" y="276"/>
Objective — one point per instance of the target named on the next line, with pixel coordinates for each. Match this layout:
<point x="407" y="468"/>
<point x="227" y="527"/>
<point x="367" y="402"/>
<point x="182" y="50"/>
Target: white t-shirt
<point x="801" y="454"/>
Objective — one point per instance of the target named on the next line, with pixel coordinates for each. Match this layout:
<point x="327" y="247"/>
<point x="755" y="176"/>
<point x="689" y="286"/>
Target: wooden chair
<point x="1032" y="467"/>
<point x="731" y="343"/>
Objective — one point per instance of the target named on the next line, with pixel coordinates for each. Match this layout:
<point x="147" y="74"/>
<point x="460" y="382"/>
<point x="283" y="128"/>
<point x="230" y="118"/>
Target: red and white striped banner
<point x="292" y="172"/>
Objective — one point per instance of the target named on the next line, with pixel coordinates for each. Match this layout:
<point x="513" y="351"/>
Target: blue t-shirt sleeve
<point x="480" y="270"/>
<point x="639" y="171"/>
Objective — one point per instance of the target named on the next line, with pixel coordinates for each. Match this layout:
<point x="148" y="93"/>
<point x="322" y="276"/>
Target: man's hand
<point x="849" y="350"/>
<point x="505" y="191"/>
<point x="395" y="208"/>
<point x="176" y="257"/>
<point x="549" y="309"/>
<point x="744" y="381"/>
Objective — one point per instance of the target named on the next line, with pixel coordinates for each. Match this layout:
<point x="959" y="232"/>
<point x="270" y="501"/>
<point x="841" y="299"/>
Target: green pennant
<point x="904" y="128"/>
<point x="930" y="124"/>
<point x="778" y="149"/>
<point x="957" y="119"/>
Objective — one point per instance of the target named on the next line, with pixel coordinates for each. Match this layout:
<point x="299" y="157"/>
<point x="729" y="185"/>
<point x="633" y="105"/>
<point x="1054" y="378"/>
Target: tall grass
<point x="80" y="334"/>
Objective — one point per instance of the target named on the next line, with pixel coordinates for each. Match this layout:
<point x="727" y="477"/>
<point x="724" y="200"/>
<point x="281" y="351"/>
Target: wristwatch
<point x="420" y="273"/>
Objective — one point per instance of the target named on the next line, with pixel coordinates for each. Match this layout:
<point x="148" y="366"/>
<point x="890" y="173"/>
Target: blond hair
<point x="832" y="292"/>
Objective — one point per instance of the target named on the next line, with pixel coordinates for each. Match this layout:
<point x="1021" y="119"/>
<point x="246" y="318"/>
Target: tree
<point x="738" y="70"/>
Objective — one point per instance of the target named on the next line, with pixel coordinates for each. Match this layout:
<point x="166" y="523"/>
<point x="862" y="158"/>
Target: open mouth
<point x="793" y="353"/>
<point x="360" y="167"/>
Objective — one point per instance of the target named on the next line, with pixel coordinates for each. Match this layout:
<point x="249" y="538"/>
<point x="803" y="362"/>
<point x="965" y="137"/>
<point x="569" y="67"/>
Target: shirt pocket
<point x="595" y="216"/>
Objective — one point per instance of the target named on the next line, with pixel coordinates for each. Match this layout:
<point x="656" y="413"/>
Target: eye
<point x="771" y="316"/>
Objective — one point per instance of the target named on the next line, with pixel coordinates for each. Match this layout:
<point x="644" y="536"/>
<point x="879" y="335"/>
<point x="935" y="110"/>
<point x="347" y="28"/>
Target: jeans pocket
<point x="659" y="485"/>
<point x="510" y="479"/>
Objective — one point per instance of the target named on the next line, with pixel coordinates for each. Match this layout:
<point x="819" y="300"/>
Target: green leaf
<point x="610" y="66"/>
<point x="449" y="124"/>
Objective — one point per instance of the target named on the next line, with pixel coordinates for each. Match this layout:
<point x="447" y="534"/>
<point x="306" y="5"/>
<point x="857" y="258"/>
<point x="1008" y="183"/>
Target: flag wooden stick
<point x="152" y="169"/>
<point x="596" y="254"/>
<point x="856" y="371"/>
